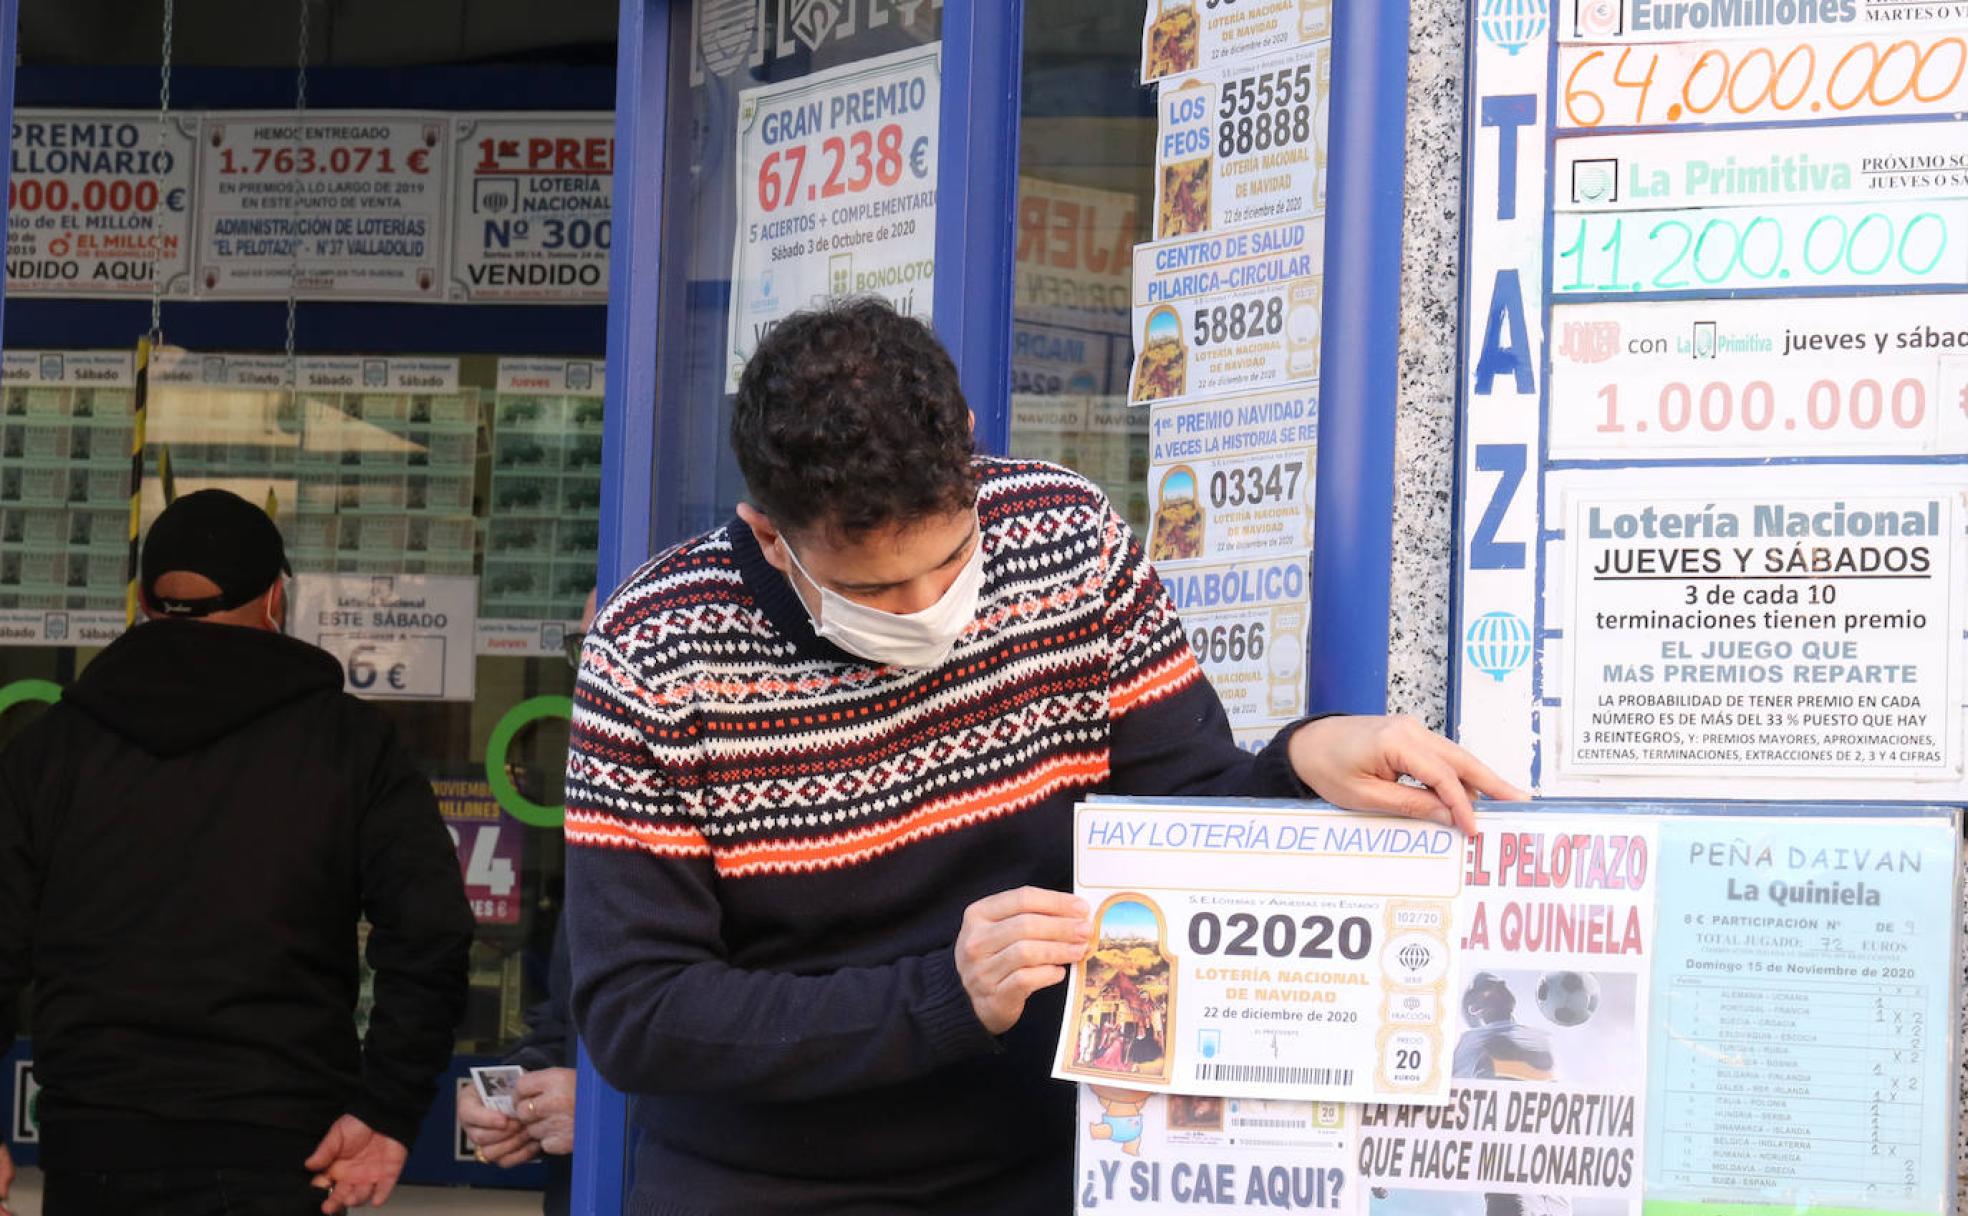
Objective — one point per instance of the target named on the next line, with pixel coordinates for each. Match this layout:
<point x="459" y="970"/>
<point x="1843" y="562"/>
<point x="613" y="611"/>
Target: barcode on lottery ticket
<point x="1296" y="1125"/>
<point x="1274" y="1074"/>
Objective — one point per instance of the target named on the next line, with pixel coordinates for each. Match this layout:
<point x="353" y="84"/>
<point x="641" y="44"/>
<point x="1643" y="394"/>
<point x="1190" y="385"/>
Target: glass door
<point x="801" y="166"/>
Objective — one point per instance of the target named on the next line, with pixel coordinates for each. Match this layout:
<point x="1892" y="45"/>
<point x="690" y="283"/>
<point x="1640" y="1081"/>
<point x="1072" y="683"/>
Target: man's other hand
<point x="356" y="1164"/>
<point x="545" y="1101"/>
<point x="6" y="1180"/>
<point x="1015" y="943"/>
<point x="1357" y="763"/>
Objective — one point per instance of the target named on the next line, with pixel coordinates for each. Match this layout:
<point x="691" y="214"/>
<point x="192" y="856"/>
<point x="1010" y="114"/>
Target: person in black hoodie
<point x="187" y="844"/>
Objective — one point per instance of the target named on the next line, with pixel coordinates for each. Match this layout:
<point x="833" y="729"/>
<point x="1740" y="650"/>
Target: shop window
<point x="1086" y="195"/>
<point x="476" y="473"/>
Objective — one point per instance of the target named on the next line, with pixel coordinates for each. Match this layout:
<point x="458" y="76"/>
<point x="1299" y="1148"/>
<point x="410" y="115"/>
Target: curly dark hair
<point x="850" y="417"/>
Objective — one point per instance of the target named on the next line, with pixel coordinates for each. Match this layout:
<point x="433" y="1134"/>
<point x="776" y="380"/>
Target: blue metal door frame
<point x="976" y="215"/>
<point x="1353" y="535"/>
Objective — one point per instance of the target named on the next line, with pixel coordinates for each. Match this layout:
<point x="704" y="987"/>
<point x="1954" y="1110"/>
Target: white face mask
<point x="916" y="640"/>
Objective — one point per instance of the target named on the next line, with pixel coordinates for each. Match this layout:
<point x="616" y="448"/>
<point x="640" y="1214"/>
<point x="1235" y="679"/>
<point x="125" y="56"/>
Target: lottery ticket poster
<point x="837" y="193"/>
<point x="1715" y="400"/>
<point x="1187" y="35"/>
<point x="346" y="205"/>
<point x="1262" y="950"/>
<point x="1228" y="313"/>
<point x="1247" y="622"/>
<point x="1234" y="477"/>
<point x="1243" y="145"/>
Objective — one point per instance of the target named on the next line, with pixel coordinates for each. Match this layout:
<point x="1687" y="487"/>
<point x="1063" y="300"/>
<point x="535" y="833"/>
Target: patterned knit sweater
<point x="772" y="844"/>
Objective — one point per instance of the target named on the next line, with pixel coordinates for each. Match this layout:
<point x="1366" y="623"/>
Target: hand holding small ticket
<point x="497" y="1086"/>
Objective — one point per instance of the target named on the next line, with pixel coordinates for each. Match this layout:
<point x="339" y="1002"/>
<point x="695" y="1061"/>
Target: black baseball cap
<point x="220" y="535"/>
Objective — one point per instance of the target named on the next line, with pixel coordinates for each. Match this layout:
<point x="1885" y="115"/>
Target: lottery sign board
<point x="1715" y="399"/>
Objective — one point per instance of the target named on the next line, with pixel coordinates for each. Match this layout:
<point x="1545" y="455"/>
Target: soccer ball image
<point x="1568" y="998"/>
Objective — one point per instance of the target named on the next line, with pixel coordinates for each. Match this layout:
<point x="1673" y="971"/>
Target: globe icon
<point x="1498" y="643"/>
<point x="1513" y="24"/>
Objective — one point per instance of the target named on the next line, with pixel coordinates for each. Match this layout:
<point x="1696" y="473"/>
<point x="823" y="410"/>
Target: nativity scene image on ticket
<point x="1123" y="1011"/>
<point x="1173" y="39"/>
<point x="1161" y="371"/>
<point x="1177" y="532"/>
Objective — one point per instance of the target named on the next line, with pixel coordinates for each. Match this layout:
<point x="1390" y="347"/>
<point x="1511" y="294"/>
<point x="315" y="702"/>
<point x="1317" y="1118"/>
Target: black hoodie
<point x="187" y="842"/>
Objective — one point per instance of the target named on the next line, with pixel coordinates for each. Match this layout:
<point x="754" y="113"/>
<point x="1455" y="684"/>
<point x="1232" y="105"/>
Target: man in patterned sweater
<point x="820" y="794"/>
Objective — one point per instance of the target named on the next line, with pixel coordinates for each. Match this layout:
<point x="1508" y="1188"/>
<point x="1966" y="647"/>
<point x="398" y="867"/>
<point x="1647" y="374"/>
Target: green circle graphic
<point x="518" y="718"/>
<point x="46" y="691"/>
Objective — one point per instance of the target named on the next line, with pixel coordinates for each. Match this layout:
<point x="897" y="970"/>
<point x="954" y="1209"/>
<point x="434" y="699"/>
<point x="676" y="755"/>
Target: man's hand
<point x="356" y="1164"/>
<point x="1357" y="763"/>
<point x="545" y="1099"/>
<point x="501" y="1140"/>
<point x="1015" y="943"/>
<point x="6" y="1180"/>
